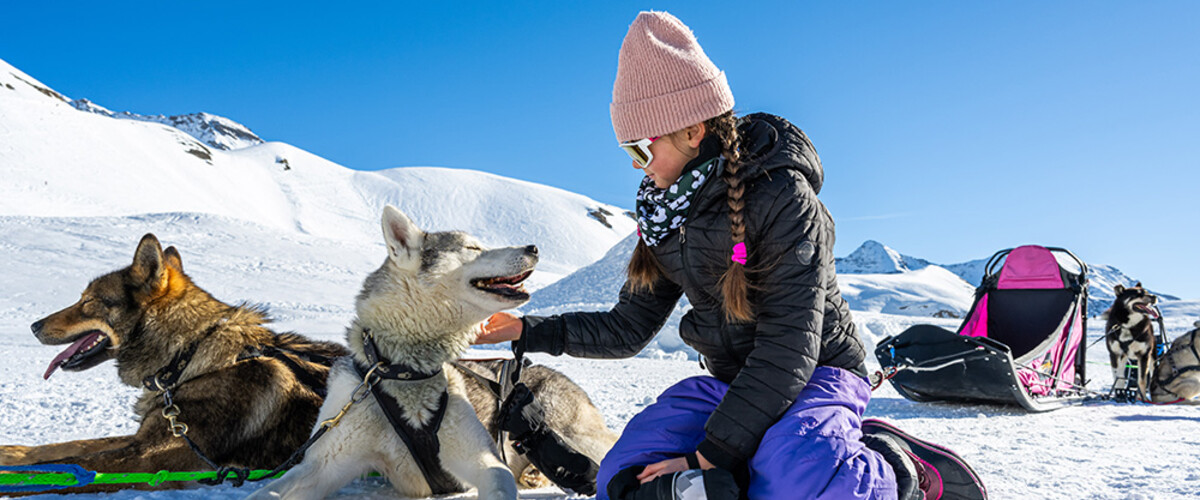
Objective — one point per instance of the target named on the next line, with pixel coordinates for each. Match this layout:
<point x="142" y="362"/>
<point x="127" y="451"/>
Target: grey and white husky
<point x="423" y="307"/>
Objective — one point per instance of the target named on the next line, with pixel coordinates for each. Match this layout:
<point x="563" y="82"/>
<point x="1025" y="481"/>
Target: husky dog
<point x="1129" y="333"/>
<point x="1178" y="374"/>
<point x="422" y="308"/>
<point x="248" y="396"/>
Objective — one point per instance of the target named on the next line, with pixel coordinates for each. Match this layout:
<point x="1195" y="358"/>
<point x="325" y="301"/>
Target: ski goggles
<point x="639" y="150"/>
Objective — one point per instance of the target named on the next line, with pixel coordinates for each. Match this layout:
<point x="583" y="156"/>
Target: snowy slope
<point x="58" y="161"/>
<point x="1068" y="454"/>
<point x="929" y="292"/>
<point x="595" y="287"/>
<point x="216" y="131"/>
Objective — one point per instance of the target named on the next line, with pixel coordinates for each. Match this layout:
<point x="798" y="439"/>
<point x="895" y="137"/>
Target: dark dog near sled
<point x="1129" y="334"/>
<point x="249" y="396"/>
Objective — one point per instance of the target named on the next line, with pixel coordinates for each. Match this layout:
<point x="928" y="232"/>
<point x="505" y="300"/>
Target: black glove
<point x="521" y="415"/>
<point x="524" y="419"/>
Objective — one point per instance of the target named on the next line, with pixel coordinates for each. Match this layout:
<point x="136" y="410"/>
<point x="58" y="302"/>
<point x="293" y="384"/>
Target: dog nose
<point x="531" y="250"/>
<point x="37" y="327"/>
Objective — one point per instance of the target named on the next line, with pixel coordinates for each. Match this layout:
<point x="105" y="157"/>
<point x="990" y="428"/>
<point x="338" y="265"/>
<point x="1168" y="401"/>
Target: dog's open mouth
<point x="510" y="287"/>
<point x="82" y="354"/>
<point x="1146" y="309"/>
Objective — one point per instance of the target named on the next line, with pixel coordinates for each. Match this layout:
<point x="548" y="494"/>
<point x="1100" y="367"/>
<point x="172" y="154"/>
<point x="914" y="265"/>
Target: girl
<point x="728" y="214"/>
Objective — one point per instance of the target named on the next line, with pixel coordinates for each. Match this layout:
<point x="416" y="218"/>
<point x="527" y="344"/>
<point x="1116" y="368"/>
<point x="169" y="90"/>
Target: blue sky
<point x="948" y="130"/>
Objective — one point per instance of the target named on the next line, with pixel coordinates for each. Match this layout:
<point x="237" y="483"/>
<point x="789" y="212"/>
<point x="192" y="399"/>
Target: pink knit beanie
<point x="664" y="80"/>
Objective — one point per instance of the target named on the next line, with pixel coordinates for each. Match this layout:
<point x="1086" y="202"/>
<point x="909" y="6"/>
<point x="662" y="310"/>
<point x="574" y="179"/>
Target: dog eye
<point x="474" y="247"/>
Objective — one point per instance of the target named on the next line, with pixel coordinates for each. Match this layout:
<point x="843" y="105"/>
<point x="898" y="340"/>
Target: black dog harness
<point x="422" y="442"/>
<point x="166" y="379"/>
<point x="168" y="376"/>
<point x="1177" y="371"/>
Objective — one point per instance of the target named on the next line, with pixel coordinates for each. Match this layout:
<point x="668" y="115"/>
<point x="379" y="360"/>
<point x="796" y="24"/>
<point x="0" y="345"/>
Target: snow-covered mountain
<point x="1101" y="281"/>
<point x="872" y="257"/>
<point x="59" y="161"/>
<point x="65" y="158"/>
<point x="216" y="131"/>
<point x="873" y="279"/>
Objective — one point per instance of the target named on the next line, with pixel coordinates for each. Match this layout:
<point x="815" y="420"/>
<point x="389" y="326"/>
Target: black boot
<point x="908" y="480"/>
<point x="941" y="473"/>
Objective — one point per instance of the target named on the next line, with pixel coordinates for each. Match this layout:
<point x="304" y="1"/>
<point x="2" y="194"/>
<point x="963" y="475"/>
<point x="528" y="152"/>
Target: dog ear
<point x="1119" y="289"/>
<point x="403" y="238"/>
<point x="147" y="261"/>
<point x="1138" y="285"/>
<point x="172" y="258"/>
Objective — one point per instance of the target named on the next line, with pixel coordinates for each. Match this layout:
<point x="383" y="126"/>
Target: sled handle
<point x="989" y="268"/>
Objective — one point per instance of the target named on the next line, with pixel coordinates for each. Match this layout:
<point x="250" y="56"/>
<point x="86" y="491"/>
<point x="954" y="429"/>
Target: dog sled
<point x="1021" y="343"/>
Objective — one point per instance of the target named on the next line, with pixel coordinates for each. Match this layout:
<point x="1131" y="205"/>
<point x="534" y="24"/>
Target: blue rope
<point x="83" y="477"/>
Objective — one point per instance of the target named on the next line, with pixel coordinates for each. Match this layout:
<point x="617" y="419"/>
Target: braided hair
<point x="644" y="269"/>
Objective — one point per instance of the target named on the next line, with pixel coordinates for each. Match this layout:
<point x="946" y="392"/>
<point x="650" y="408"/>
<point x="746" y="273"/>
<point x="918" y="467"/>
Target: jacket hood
<point x="770" y="142"/>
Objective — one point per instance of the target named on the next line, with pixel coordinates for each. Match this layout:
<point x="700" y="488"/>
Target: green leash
<point x="32" y="478"/>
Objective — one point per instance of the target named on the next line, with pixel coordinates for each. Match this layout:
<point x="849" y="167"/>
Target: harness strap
<point x="167" y="376"/>
<point x="286" y="356"/>
<point x="492" y="385"/>
<point x="391" y="371"/>
<point x="422" y="442"/>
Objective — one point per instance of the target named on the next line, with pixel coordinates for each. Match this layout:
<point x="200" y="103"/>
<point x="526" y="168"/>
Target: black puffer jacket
<point x="801" y="319"/>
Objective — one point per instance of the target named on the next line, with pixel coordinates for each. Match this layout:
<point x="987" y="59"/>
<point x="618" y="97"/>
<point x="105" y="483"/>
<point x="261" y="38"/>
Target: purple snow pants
<point x="812" y="452"/>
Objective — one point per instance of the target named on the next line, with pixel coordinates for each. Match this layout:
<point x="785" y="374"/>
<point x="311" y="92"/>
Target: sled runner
<point x="1021" y="343"/>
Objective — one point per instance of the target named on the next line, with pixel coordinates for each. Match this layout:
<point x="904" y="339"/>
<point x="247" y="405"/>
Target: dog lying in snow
<point x="1178" y="373"/>
<point x="249" y="396"/>
<point x="419" y="311"/>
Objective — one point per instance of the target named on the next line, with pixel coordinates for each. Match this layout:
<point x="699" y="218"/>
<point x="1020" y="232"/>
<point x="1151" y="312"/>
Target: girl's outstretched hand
<point x="501" y="327"/>
<point x="670" y="466"/>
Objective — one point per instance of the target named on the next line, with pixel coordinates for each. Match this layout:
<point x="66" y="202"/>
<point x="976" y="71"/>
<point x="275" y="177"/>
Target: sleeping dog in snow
<point x="415" y="315"/>
<point x="1129" y="334"/>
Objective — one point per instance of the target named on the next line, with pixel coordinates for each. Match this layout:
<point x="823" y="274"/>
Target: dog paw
<point x="13" y="455"/>
<point x="532" y="478"/>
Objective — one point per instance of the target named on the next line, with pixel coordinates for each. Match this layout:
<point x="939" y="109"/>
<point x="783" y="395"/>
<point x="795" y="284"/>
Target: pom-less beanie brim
<point x="663" y="114"/>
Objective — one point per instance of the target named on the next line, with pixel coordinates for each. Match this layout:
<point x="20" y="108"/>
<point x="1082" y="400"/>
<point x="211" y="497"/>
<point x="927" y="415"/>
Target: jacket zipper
<point x="687" y="270"/>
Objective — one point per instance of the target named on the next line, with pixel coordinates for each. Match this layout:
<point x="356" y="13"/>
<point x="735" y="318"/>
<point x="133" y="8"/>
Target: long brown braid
<point x="734" y="285"/>
<point x="644" y="269"/>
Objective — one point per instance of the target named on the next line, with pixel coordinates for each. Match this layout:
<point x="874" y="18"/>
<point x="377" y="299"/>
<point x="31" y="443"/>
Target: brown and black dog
<point x="1129" y="334"/>
<point x="249" y="396"/>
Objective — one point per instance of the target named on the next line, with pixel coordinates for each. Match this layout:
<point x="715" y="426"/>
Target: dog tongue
<point x="70" y="351"/>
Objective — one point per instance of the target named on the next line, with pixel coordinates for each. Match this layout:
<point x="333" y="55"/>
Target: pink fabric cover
<point x="1034" y="267"/>
<point x="1030" y="266"/>
<point x="1041" y="385"/>
<point x="976" y="325"/>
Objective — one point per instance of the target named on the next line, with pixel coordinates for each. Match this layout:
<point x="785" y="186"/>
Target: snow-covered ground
<point x="272" y="224"/>
<point x="1101" y="451"/>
